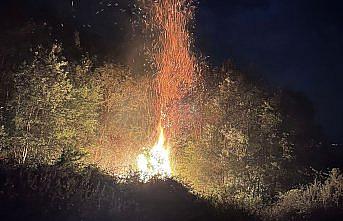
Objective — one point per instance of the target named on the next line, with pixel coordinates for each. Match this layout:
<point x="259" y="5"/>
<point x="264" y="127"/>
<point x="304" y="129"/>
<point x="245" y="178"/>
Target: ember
<point x="176" y="67"/>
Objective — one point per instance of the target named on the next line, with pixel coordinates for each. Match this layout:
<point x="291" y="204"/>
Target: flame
<point x="156" y="162"/>
<point x="176" y="67"/>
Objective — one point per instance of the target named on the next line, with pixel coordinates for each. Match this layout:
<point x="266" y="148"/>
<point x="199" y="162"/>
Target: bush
<point x="305" y="202"/>
<point x="127" y="120"/>
<point x="55" y="192"/>
<point x="241" y="153"/>
<point x="50" y="111"/>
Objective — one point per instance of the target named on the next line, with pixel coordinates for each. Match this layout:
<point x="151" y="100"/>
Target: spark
<point x="175" y="64"/>
<point x="176" y="67"/>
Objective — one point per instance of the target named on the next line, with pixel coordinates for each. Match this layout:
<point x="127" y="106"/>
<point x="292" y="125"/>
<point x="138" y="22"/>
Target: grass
<point x="316" y="201"/>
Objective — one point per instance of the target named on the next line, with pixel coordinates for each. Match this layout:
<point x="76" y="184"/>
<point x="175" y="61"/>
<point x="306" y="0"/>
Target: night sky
<point x="296" y="44"/>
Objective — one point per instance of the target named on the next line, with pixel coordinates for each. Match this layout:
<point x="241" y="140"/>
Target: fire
<point x="156" y="162"/>
<point x="176" y="67"/>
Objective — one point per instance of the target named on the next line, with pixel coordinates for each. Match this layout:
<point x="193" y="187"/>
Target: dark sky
<point x="295" y="44"/>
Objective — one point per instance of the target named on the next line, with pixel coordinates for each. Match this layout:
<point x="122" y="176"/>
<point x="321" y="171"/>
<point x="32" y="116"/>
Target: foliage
<point x="3" y="139"/>
<point x="303" y="202"/>
<point x="127" y="116"/>
<point x="236" y="142"/>
<point x="63" y="193"/>
<point x="242" y="153"/>
<point x="51" y="112"/>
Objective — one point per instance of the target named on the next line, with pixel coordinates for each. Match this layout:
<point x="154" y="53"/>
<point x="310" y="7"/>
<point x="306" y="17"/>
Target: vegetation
<point x="51" y="111"/>
<point x="239" y="146"/>
<point x="67" y="193"/>
<point x="242" y="153"/>
<point x="316" y="201"/>
<point x="127" y="117"/>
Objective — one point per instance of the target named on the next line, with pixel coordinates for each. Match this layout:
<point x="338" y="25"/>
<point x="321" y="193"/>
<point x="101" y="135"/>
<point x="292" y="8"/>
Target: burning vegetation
<point x="231" y="139"/>
<point x="155" y="163"/>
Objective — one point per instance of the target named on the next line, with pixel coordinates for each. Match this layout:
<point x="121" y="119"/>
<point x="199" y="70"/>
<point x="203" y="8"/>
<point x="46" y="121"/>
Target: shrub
<point x="49" y="110"/>
<point x="55" y="192"/>
<point x="305" y="201"/>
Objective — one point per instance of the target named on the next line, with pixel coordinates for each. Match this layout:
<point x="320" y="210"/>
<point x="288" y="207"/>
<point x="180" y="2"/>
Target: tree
<point x="242" y="152"/>
<point x="128" y="119"/>
<point x="51" y="112"/>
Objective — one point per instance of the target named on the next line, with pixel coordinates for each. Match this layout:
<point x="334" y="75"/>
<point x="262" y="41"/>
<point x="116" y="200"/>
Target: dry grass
<point x="302" y="203"/>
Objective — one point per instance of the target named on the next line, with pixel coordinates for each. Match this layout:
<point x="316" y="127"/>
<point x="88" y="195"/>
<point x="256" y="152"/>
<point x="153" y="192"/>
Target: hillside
<point x="60" y="193"/>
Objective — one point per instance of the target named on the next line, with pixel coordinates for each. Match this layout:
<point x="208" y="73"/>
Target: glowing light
<point x="155" y="163"/>
<point x="176" y="65"/>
